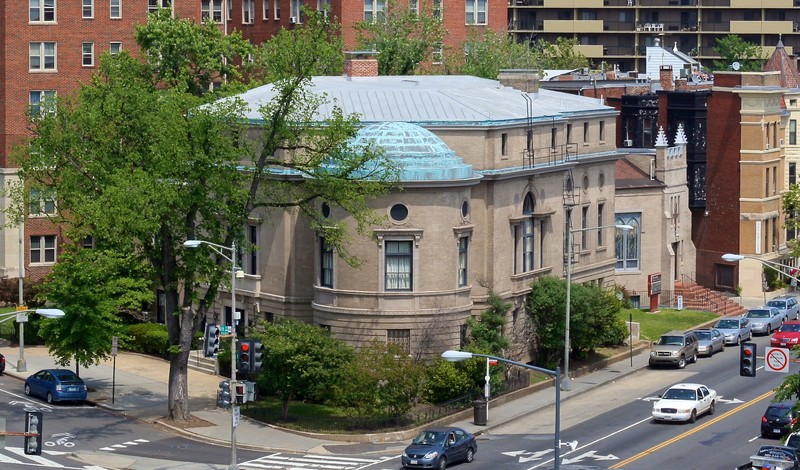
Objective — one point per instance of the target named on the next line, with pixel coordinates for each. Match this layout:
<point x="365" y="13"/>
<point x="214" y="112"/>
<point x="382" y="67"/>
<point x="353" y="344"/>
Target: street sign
<point x="235" y="415"/>
<point x="776" y="360"/>
<point x="225" y="330"/>
<point x="22" y="317"/>
<point x="114" y="345"/>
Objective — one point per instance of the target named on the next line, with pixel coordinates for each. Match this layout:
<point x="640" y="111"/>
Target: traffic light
<point x="747" y="360"/>
<point x="224" y="394"/>
<point x="211" y="340"/>
<point x="239" y="392"/>
<point x="258" y="356"/>
<point x="245" y="356"/>
<point x="33" y="433"/>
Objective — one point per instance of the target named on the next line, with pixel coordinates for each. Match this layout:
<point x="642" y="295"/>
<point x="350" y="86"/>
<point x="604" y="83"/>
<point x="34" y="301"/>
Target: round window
<point x="398" y="212"/>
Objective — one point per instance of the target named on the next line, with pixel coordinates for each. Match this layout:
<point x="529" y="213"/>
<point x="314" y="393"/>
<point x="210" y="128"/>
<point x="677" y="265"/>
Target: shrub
<point x="149" y="338"/>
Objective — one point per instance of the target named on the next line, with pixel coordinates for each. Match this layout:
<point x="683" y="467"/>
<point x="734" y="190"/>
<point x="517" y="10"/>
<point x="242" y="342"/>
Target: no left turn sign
<point x="776" y="360"/>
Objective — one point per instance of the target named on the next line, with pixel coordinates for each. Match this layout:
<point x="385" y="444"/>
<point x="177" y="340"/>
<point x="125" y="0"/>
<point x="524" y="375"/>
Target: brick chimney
<point x="360" y="64"/>
<point x="665" y="77"/>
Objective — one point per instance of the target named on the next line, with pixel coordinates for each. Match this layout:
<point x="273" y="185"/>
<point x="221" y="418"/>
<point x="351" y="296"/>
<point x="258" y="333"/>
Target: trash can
<point x="480" y="412"/>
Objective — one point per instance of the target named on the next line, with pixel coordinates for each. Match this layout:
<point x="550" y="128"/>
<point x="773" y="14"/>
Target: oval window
<point x="465" y="209"/>
<point x="326" y="210"/>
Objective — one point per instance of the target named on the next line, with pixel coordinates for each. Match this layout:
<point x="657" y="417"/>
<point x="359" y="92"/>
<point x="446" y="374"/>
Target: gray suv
<point x="674" y="348"/>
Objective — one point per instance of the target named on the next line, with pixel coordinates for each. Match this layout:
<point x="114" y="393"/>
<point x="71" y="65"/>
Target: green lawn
<point x="653" y="325"/>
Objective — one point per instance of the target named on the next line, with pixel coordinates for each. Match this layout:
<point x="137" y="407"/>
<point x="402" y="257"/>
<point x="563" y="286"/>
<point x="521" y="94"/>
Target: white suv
<point x="788" y="306"/>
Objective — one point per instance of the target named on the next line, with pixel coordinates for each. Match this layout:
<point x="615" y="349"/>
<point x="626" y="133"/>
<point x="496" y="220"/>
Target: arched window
<point x="527" y="233"/>
<point x="627" y="244"/>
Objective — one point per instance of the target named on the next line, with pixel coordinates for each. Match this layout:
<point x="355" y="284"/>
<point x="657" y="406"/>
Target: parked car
<point x="436" y="447"/>
<point x="56" y="385"/>
<point x="709" y="341"/>
<point x="787" y="336"/>
<point x="788" y="305"/>
<point x="778" y="419"/>
<point x="685" y="402"/>
<point x="793" y="440"/>
<point x="764" y="320"/>
<point x="2" y="363"/>
<point x="775" y="458"/>
<point x="735" y="329"/>
<point x="674" y="348"/>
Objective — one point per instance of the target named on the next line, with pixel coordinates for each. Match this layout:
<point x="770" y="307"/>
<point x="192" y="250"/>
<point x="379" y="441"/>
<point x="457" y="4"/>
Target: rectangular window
<point x="553" y="138"/>
<point x="265" y="8"/>
<point x="475" y="12"/>
<point x="413" y="6"/>
<point x="527" y="246"/>
<point x="437" y="9"/>
<point x="401" y="338"/>
<point x="774" y="180"/>
<point x="115" y="11"/>
<point x="250" y="258"/>
<point x="114" y="48"/>
<point x="211" y="9"/>
<point x="248" y="11"/>
<point x="42" y="56"/>
<point x="326" y="263"/>
<point x="88" y="242"/>
<point x="277" y="4"/>
<point x="569" y="133"/>
<point x="602" y="131"/>
<point x="87" y="54"/>
<point x="398" y="259"/>
<point x="373" y="9"/>
<point x="463" y="258"/>
<point x="766" y="182"/>
<point x="792" y="173"/>
<point x="792" y="132"/>
<point x="626" y="242"/>
<point x="600" y="208"/>
<point x="230" y="10"/>
<point x="436" y="54"/>
<point x="504" y="144"/>
<point x="37" y="100"/>
<point x="87" y="11"/>
<point x="42" y="202"/>
<point x="42" y="11"/>
<point x="43" y="249"/>
<point x="154" y="5"/>
<point x="585" y="132"/>
<point x="584" y="227"/>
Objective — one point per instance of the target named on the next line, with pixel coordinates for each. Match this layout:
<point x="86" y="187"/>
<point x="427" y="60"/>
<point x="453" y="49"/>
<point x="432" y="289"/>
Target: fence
<point x="359" y="425"/>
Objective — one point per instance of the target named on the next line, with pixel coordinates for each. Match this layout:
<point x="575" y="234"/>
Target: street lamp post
<point x="219" y="250"/>
<point x="457" y="356"/>
<point x="784" y="269"/>
<point x="566" y="384"/>
<point x="22" y="317"/>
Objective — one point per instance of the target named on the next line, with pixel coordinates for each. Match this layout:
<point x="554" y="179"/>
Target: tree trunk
<point x="178" y="370"/>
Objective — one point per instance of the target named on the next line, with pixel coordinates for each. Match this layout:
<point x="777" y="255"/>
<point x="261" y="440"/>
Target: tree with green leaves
<point x="486" y="331"/>
<point x="92" y="287"/>
<point x="402" y="37"/>
<point x="791" y="207"/>
<point x="594" y="319"/>
<point x="147" y="156"/>
<point x="561" y="55"/>
<point x="381" y="381"/>
<point x="301" y="362"/>
<point x="733" y="48"/>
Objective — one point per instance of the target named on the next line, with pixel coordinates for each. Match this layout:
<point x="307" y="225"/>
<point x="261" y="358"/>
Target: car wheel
<point x="470" y="455"/>
<point x="442" y="463"/>
<point x="693" y="360"/>
<point x="681" y="362"/>
<point x="769" y="330"/>
<point x="693" y="416"/>
<point x="49" y="398"/>
<point x="27" y="390"/>
<point x="711" y="408"/>
<point x="738" y="340"/>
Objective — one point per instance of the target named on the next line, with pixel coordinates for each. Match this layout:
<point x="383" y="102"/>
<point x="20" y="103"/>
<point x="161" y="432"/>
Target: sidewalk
<point x="136" y="385"/>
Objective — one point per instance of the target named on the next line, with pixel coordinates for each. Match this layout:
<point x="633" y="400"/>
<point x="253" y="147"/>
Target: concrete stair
<point x="697" y="297"/>
<point x="201" y="363"/>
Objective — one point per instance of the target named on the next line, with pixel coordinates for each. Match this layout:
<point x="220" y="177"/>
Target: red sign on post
<point x="653" y="289"/>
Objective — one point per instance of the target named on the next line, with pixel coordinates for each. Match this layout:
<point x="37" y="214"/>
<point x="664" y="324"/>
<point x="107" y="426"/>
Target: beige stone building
<point x="491" y="175"/>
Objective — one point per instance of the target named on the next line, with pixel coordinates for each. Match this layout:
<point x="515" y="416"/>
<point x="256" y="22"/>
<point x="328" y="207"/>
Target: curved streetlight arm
<point x="784" y="269"/>
<point x="217" y="248"/>
<point x="45" y="312"/>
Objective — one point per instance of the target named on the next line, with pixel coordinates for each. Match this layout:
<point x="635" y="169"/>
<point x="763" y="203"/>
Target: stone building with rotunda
<point x="492" y="176"/>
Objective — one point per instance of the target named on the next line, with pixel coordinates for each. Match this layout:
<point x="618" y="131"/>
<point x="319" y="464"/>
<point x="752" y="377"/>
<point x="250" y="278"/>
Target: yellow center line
<point x="694" y="430"/>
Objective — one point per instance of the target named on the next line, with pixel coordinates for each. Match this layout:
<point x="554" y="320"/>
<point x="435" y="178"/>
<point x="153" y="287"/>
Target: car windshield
<point x="429" y="438"/>
<point x="680" y="394"/>
<point x="728" y="324"/>
<point x="670" y="341"/>
<point x="703" y="334"/>
<point x="793" y="327"/>
<point x="758" y="314"/>
<point x="777" y="303"/>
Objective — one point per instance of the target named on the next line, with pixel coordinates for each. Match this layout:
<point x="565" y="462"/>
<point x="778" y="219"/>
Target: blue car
<point x="437" y="447"/>
<point x="56" y="385"/>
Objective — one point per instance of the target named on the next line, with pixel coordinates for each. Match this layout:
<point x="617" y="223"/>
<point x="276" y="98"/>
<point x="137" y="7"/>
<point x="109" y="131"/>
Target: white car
<point x="685" y="402"/>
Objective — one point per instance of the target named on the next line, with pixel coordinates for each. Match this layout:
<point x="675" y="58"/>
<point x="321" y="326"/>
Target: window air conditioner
<point x="292" y="20"/>
<point x="627" y="143"/>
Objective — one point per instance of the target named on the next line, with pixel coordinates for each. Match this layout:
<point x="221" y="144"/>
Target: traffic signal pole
<point x="234" y="407"/>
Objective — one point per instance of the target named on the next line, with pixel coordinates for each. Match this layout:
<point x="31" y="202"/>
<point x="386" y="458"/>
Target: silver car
<point x="734" y="329"/>
<point x="788" y="306"/>
<point x="763" y="320"/>
<point x="709" y="341"/>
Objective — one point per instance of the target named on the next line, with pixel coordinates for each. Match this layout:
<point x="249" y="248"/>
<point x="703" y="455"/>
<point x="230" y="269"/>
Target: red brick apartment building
<point x="51" y="46"/>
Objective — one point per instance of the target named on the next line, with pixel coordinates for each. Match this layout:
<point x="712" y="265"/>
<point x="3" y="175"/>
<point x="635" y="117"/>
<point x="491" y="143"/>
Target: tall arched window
<point x="527" y="233"/>
<point x="627" y="245"/>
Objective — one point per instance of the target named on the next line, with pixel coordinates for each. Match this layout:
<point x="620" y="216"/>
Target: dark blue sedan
<point x="56" y="385"/>
<point x="437" y="447"/>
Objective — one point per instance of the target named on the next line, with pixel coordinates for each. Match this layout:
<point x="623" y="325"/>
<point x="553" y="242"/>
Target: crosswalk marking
<point x="124" y="445"/>
<point x="33" y="458"/>
<point x="310" y="461"/>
